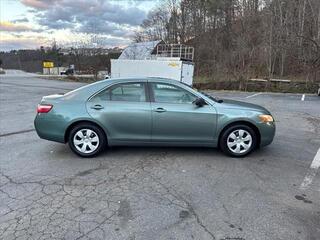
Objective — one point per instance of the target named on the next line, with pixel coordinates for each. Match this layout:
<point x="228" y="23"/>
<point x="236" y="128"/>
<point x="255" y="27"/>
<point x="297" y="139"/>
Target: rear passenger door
<point x="124" y="110"/>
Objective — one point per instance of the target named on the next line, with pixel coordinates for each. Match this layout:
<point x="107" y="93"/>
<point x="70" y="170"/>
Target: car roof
<point x="92" y="88"/>
<point x="138" y="79"/>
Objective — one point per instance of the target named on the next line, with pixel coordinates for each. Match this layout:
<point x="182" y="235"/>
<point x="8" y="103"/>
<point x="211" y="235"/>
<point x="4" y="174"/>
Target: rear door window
<point x="125" y="92"/>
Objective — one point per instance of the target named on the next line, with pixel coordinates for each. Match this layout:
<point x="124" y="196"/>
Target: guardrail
<point x="271" y="80"/>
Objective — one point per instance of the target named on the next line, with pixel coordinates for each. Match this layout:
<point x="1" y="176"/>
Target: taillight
<point x="44" y="108"/>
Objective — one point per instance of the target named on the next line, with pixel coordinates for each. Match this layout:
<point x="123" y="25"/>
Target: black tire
<point x="223" y="143"/>
<point x="100" y="146"/>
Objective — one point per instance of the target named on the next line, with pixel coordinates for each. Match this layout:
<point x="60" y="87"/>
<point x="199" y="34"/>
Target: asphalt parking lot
<point x="46" y="192"/>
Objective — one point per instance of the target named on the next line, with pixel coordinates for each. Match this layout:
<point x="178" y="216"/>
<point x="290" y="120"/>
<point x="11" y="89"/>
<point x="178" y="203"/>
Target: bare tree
<point x="242" y="38"/>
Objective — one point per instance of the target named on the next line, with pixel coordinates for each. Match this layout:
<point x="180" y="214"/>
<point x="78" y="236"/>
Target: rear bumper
<point x="49" y="128"/>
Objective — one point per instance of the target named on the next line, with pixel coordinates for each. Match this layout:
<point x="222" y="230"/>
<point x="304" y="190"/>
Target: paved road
<point x="46" y="192"/>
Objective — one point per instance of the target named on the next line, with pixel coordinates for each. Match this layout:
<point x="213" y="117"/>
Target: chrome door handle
<point x="97" y="107"/>
<point x="160" y="110"/>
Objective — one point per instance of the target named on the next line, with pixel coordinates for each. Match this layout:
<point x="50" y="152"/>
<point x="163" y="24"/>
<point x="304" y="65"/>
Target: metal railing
<point x="175" y="50"/>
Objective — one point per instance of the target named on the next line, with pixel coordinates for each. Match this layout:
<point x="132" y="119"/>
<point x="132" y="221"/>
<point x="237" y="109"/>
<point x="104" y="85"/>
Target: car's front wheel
<point x="87" y="140"/>
<point x="238" y="140"/>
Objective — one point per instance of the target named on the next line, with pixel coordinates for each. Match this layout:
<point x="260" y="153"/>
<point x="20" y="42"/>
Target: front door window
<point x="167" y="93"/>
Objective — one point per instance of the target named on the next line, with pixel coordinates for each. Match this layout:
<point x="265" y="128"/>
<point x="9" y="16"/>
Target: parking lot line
<point x="18" y="132"/>
<point x="256" y="94"/>
<point x="303" y="97"/>
<point x="312" y="172"/>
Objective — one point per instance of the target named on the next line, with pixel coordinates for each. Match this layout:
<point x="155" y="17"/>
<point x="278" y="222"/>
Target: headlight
<point x="266" y="118"/>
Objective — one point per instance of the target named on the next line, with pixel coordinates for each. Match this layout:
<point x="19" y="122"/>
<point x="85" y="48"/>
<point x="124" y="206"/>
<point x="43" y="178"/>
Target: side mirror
<point x="200" y="102"/>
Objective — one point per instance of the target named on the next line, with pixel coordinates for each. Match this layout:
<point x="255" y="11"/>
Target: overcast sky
<point x="31" y="23"/>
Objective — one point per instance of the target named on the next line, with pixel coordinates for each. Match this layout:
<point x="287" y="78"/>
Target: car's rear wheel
<point x="238" y="140"/>
<point x="87" y="140"/>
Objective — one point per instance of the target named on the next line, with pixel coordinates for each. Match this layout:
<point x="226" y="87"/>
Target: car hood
<point x="233" y="104"/>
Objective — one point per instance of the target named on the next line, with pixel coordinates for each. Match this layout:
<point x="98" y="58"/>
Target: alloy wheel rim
<point x="86" y="141"/>
<point x="239" y="141"/>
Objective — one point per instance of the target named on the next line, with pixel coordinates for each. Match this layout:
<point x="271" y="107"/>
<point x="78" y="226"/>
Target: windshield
<point x="211" y="97"/>
<point x="203" y="93"/>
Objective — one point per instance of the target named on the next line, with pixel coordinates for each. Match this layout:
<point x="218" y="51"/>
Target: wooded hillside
<point x="242" y="39"/>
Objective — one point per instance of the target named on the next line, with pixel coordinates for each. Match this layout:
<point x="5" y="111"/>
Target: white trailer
<point x="155" y="59"/>
<point x="173" y="68"/>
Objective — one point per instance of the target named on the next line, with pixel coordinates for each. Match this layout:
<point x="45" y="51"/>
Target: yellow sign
<point x="173" y="64"/>
<point x="48" y="64"/>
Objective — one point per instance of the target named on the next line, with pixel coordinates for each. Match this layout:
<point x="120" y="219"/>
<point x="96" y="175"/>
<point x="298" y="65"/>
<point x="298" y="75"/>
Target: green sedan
<point x="151" y="112"/>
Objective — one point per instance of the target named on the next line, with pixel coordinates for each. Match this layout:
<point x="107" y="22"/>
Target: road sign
<point x="48" y="64"/>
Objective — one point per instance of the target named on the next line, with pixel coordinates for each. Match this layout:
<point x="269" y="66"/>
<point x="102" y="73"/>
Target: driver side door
<point x="175" y="119"/>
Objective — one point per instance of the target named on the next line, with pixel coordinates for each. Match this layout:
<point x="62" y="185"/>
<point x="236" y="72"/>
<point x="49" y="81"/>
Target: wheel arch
<point x="83" y="121"/>
<point x="242" y="122"/>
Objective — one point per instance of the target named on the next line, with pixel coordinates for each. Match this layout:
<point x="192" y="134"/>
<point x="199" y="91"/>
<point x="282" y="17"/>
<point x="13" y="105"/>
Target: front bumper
<point x="267" y="133"/>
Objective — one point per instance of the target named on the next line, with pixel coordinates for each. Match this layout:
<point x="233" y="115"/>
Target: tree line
<point x="242" y="39"/>
<point x="31" y="60"/>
